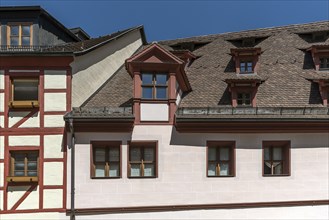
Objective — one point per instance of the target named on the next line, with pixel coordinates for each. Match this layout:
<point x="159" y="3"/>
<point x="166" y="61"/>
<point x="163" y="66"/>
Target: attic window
<point x="324" y="63"/>
<point x="246" y="59"/>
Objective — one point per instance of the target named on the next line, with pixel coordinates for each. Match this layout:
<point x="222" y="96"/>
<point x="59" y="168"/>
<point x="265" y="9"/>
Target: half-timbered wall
<point x="35" y="129"/>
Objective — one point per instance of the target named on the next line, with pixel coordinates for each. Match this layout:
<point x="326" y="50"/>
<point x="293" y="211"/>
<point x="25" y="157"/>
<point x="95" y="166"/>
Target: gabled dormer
<point x="159" y="79"/>
<point x="246" y="59"/>
<point x="320" y="55"/>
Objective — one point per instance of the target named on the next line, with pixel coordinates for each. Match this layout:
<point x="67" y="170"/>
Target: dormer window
<point x="246" y="59"/>
<point x="324" y="63"/>
<point x="19" y="34"/>
<point x="246" y="67"/>
<point x="154" y="85"/>
<point x="244" y="99"/>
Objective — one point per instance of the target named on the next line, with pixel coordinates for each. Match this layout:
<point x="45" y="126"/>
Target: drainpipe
<point x="72" y="216"/>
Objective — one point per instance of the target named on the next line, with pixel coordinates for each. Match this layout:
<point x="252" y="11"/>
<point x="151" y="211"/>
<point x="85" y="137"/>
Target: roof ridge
<point x="250" y="30"/>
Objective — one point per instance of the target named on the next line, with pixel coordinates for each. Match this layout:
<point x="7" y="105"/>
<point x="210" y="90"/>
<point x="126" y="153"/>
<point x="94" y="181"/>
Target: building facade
<point x="222" y="126"/>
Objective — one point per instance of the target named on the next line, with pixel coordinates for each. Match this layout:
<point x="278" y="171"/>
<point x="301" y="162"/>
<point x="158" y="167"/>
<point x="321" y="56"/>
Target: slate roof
<point x="286" y="69"/>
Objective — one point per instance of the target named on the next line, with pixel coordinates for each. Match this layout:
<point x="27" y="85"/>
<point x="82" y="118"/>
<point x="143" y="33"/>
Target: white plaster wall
<point x="55" y="79"/>
<point x="283" y="213"/>
<point x="55" y="102"/>
<point x="154" y="112"/>
<point x="31" y="201"/>
<point x="53" y="173"/>
<point x="15" y="193"/>
<point x="2" y="171"/>
<point x="35" y="216"/>
<point x="53" y="198"/>
<point x="53" y="146"/>
<point x="54" y="121"/>
<point x="1" y="199"/>
<point x="179" y="97"/>
<point x="2" y="121"/>
<point x="2" y="102"/>
<point x="182" y="171"/>
<point x="2" y="147"/>
<point x="91" y="70"/>
<point x="24" y="140"/>
<point x="2" y="79"/>
<point x="32" y="122"/>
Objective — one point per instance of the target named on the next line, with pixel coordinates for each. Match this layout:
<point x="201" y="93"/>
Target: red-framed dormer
<point x="320" y="55"/>
<point x="158" y="79"/>
<point x="246" y="59"/>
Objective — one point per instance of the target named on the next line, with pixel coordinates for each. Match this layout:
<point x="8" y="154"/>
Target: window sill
<point x="142" y="177"/>
<point x="101" y="178"/>
<point x="19" y="179"/>
<point x="276" y="175"/>
<point x="221" y="176"/>
<point x="23" y="104"/>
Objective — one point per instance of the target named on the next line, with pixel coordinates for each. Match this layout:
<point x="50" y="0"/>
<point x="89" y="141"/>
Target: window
<point x="324" y="63"/>
<point x="106" y="159"/>
<point x="154" y="86"/>
<point x="20" y="35"/>
<point x="142" y="159"/>
<point x="24" y="92"/>
<point x="246" y="67"/>
<point x="23" y="166"/>
<point x="276" y="156"/>
<point x="220" y="156"/>
<point x="244" y="99"/>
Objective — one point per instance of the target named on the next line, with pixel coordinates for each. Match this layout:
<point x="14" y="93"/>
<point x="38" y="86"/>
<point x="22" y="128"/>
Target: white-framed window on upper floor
<point x="324" y="63"/>
<point x="19" y="34"/>
<point x="154" y="86"/>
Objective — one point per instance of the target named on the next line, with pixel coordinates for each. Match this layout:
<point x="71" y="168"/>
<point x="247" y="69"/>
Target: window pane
<point x="247" y="102"/>
<point x="32" y="156"/>
<point x="224" y="169"/>
<point x="149" y="154"/>
<point x="277" y="167"/>
<point x="19" y="165"/>
<point x="32" y="173"/>
<point x="14" y="41"/>
<point x="26" y="41"/>
<point x="19" y="173"/>
<point x="224" y="153"/>
<point x="149" y="170"/>
<point x="26" y="30"/>
<point x="242" y="66"/>
<point x="114" y="154"/>
<point x="212" y="153"/>
<point x="32" y="165"/>
<point x="277" y="153"/>
<point x="147" y="78"/>
<point x="249" y="69"/>
<point x="100" y="154"/>
<point x="161" y="79"/>
<point x="25" y="90"/>
<point x="14" y="30"/>
<point x="267" y="168"/>
<point x="135" y="170"/>
<point x="147" y="92"/>
<point x="135" y="154"/>
<point x="211" y="169"/>
<point x="100" y="171"/>
<point x="114" y="170"/>
<point x="161" y="92"/>
<point x="240" y="96"/>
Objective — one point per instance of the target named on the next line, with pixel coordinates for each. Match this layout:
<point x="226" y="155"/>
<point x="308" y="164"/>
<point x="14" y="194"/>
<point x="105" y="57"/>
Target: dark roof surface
<point x="285" y="66"/>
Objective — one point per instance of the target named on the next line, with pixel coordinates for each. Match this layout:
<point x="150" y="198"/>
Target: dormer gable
<point x="246" y="59"/>
<point x="159" y="78"/>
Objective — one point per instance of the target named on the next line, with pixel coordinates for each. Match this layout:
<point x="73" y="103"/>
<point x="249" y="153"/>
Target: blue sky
<point x="181" y="18"/>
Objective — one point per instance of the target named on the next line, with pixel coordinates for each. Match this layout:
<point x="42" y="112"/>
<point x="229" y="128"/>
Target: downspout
<point x="72" y="216"/>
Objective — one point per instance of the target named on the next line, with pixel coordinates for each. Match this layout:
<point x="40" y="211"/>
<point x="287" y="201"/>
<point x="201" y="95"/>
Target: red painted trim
<point x="55" y="113"/>
<point x="32" y="211"/>
<point x="31" y="131"/>
<point x="2" y="188"/>
<point x="2" y="113"/>
<point x="7" y="91"/>
<point x="54" y="187"/>
<point x="26" y="194"/>
<point x="6" y="173"/>
<point x="18" y="148"/>
<point x="29" y="115"/>
<point x="55" y="90"/>
<point x="2" y="90"/>
<point x="164" y="208"/>
<point x="2" y="160"/>
<point x="42" y="98"/>
<point x="41" y="166"/>
<point x="35" y="62"/>
<point x="53" y="160"/>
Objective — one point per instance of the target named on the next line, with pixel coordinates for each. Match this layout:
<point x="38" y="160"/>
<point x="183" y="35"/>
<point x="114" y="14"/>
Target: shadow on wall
<point x="23" y="188"/>
<point x="226" y="98"/>
<point x="308" y="63"/>
<point x="230" y="67"/>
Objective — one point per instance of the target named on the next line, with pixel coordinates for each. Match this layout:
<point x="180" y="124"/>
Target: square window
<point x="324" y="63"/>
<point x="220" y="158"/>
<point x="24" y="166"/>
<point x="244" y="99"/>
<point x="246" y="67"/>
<point x="106" y="159"/>
<point x="24" y="92"/>
<point x="154" y="85"/>
<point x="142" y="161"/>
<point x="276" y="158"/>
<point x="20" y="34"/>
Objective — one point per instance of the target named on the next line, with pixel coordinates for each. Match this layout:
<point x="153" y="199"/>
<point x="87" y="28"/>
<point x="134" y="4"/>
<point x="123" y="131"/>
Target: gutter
<point x="72" y="213"/>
